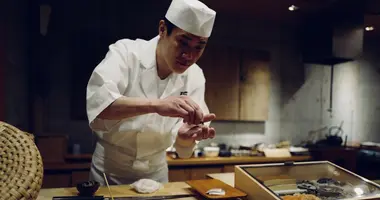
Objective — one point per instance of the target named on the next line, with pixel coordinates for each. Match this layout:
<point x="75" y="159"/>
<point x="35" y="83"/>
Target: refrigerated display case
<point x="320" y="180"/>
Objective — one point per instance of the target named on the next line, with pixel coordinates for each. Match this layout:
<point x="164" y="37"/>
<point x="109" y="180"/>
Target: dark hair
<point x="169" y="26"/>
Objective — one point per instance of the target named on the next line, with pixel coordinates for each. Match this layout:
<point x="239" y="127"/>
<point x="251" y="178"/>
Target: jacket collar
<point x="148" y="53"/>
<point x="149" y="76"/>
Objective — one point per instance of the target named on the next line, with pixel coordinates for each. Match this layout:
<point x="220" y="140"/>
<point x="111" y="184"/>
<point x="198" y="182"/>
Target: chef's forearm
<point x="126" y="107"/>
<point x="184" y="148"/>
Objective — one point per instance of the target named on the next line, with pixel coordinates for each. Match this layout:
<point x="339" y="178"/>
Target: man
<point x="146" y="95"/>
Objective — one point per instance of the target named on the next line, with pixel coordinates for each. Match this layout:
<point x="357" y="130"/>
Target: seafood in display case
<point x="320" y="180"/>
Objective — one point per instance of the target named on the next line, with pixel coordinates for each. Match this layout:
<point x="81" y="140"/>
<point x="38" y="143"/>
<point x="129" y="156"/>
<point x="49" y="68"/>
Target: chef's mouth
<point x="182" y="63"/>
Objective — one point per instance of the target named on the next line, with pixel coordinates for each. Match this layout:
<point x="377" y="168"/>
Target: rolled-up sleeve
<point x="183" y="152"/>
<point x="108" y="81"/>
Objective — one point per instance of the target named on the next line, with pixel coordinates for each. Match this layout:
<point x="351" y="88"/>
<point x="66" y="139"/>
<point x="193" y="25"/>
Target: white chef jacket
<point x="135" y="148"/>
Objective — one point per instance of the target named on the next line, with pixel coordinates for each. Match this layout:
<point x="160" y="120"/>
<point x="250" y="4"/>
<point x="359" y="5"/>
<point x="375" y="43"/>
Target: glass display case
<point x="320" y="180"/>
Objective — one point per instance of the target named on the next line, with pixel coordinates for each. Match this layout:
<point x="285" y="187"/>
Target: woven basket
<point x="21" y="169"/>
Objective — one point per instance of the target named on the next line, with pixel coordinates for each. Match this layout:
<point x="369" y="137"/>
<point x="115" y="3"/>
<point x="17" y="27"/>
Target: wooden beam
<point x="2" y="74"/>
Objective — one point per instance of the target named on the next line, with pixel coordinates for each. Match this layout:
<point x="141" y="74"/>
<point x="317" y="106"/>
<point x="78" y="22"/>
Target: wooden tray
<point x="202" y="186"/>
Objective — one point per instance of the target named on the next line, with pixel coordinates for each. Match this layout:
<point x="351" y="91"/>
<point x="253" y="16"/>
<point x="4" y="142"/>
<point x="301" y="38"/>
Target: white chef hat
<point x="192" y="16"/>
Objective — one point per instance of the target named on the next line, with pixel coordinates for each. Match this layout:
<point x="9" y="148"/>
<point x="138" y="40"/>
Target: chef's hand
<point x="189" y="133"/>
<point x="179" y="106"/>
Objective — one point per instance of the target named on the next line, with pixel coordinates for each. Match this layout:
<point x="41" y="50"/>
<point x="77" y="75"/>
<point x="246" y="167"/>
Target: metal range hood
<point x="332" y="36"/>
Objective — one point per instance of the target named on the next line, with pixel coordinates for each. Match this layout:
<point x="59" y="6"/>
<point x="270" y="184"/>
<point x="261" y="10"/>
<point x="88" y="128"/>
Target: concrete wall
<point x="356" y="100"/>
<point x="299" y="94"/>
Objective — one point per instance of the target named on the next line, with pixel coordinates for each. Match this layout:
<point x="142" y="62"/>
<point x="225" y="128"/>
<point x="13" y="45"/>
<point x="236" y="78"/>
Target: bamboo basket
<point x="21" y="168"/>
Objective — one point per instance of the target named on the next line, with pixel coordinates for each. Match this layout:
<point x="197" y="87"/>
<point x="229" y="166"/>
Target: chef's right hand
<point x="179" y="106"/>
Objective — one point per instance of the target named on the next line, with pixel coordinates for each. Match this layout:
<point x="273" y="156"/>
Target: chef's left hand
<point x="197" y="132"/>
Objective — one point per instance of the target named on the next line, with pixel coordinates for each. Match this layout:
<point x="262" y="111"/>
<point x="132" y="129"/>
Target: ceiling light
<point x="369" y="28"/>
<point x="293" y="8"/>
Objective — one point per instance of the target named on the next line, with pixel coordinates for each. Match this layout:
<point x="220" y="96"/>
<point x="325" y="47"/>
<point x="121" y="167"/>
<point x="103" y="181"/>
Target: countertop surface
<point x="172" y="188"/>
<point x="84" y="162"/>
<point x="169" y="189"/>
<point x="232" y="160"/>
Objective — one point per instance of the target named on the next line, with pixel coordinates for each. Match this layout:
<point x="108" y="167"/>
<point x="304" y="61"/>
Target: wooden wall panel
<point x="221" y="69"/>
<point x="254" y="87"/>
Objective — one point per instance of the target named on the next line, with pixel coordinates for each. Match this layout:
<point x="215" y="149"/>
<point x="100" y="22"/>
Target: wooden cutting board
<point x="169" y="189"/>
<point x="202" y="186"/>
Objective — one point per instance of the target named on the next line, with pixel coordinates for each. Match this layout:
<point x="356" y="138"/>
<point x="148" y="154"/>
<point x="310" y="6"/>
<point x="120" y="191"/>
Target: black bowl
<point x="88" y="188"/>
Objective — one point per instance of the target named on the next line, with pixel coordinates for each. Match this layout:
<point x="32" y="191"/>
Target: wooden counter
<point x="176" y="162"/>
<point x="198" y="168"/>
<point x="173" y="188"/>
<point x="77" y="168"/>
<point x="176" y="188"/>
<point x="231" y="160"/>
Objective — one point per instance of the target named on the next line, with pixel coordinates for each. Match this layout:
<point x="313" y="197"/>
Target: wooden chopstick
<point x="109" y="189"/>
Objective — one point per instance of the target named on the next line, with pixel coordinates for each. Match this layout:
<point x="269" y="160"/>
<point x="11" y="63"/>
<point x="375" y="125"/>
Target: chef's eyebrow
<point x="189" y="38"/>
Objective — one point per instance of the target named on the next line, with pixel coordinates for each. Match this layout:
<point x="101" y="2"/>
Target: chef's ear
<point x="162" y="29"/>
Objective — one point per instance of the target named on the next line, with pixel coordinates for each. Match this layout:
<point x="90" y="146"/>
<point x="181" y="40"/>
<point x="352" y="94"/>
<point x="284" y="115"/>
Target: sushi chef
<point x="146" y="96"/>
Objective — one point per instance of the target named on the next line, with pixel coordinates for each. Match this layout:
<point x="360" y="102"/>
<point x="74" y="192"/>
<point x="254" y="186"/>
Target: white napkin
<point x="216" y="191"/>
<point x="146" y="186"/>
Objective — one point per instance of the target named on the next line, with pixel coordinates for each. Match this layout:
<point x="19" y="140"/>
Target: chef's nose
<point x="187" y="55"/>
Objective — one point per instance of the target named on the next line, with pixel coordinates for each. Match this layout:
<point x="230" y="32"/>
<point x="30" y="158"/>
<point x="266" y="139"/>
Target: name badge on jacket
<point x="183" y="93"/>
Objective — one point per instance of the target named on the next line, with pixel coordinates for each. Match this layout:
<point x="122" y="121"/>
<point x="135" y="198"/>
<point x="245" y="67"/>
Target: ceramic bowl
<point x="88" y="188"/>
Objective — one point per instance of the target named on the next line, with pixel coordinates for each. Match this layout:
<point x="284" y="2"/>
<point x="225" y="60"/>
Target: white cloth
<point x="192" y="16"/>
<point x="146" y="186"/>
<point x="134" y="148"/>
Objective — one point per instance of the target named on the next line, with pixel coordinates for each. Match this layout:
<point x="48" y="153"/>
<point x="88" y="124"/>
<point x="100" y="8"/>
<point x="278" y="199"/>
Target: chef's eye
<point x="184" y="43"/>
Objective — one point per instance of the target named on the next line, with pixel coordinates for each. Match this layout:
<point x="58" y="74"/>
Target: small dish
<point x="88" y="188"/>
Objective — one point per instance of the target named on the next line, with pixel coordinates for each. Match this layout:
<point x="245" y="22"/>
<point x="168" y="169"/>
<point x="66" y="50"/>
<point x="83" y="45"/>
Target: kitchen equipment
<point x="277" y="153"/>
<point x="197" y="153"/>
<point x="240" y="152"/>
<point x="225" y="153"/>
<point x="222" y="146"/>
<point x="283" y="144"/>
<point x="203" y="186"/>
<point x="298" y="150"/>
<point x="214" y="144"/>
<point x="334" y="137"/>
<point x="321" y="179"/>
<point x="211" y="151"/>
<point x="369" y="144"/>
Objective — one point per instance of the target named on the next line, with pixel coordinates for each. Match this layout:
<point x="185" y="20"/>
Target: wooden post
<point x="2" y="74"/>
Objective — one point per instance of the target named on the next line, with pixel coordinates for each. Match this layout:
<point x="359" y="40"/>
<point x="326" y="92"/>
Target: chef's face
<point x="181" y="49"/>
